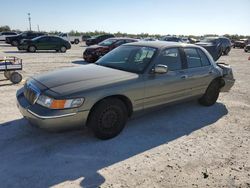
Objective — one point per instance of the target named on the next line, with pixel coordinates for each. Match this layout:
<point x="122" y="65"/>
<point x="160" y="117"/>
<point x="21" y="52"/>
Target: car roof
<point x="159" y="44"/>
<point x="123" y="38"/>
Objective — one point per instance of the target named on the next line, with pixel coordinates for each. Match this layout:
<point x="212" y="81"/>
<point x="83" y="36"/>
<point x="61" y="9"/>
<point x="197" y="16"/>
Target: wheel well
<point x="123" y="98"/>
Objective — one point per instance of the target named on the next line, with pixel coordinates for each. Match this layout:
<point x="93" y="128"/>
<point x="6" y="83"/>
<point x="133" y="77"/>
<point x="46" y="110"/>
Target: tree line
<point x="120" y="34"/>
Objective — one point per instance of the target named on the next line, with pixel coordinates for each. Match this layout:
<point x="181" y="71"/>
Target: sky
<point x="196" y="17"/>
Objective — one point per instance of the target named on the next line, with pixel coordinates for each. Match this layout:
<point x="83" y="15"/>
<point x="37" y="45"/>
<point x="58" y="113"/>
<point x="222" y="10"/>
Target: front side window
<point x="128" y="58"/>
<point x="193" y="58"/>
<point x="171" y="58"/>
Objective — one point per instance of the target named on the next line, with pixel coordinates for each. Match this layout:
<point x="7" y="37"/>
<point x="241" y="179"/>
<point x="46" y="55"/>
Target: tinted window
<point x="119" y="42"/>
<point x="204" y="59"/>
<point x="171" y="58"/>
<point x="43" y="39"/>
<point x="193" y="58"/>
<point x="54" y="39"/>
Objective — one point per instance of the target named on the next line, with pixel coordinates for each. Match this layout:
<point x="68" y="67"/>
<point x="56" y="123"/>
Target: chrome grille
<point x="31" y="93"/>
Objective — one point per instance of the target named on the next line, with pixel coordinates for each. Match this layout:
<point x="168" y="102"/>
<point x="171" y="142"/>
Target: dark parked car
<point x="216" y="46"/>
<point x="247" y="48"/>
<point x="171" y="39"/>
<point x="16" y="40"/>
<point x="3" y="35"/>
<point x="85" y="37"/>
<point x="241" y="43"/>
<point x="131" y="78"/>
<point x="97" y="39"/>
<point x="93" y="53"/>
<point x="45" y="43"/>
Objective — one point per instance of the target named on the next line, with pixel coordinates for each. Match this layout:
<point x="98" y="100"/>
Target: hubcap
<point x="109" y="119"/>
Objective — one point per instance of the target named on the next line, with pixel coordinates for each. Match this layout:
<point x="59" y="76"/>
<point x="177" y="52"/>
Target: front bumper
<point x="52" y="120"/>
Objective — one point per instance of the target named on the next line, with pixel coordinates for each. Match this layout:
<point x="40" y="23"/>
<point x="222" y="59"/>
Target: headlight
<point x="59" y="104"/>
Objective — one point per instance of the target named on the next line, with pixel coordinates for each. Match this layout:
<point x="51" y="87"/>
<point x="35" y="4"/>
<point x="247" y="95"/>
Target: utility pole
<point x="38" y="28"/>
<point x="29" y="20"/>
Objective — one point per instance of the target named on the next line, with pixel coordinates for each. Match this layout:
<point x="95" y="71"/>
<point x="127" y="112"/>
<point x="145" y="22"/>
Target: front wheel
<point x="211" y="95"/>
<point x="77" y="41"/>
<point x="63" y="49"/>
<point x="108" y="118"/>
<point x="32" y="49"/>
<point x="14" y="43"/>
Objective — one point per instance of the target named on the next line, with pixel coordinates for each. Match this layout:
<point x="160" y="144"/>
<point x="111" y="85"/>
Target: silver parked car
<point x="133" y="77"/>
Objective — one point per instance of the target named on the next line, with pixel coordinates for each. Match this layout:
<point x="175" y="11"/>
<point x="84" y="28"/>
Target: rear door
<point x="199" y="70"/>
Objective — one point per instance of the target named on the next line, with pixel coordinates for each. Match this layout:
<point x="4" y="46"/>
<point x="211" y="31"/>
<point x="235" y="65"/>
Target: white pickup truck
<point x="5" y="34"/>
<point x="71" y="39"/>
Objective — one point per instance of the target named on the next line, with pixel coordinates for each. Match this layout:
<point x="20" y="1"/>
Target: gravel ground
<point x="183" y="145"/>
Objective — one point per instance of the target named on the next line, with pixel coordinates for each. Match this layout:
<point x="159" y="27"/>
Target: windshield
<point x="107" y="42"/>
<point x="128" y="58"/>
<point x="37" y="38"/>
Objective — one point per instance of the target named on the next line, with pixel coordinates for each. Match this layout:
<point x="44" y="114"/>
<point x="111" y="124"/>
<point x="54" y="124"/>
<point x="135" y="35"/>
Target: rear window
<point x="193" y="58"/>
<point x="204" y="59"/>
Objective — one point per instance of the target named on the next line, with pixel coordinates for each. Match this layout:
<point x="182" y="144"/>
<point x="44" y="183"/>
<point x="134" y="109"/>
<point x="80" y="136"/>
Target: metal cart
<point x="10" y="65"/>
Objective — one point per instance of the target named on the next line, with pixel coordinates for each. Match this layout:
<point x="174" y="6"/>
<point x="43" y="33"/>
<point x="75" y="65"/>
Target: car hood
<point x="75" y="80"/>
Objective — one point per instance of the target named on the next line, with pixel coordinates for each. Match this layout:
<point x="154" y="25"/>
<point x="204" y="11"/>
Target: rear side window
<point x="193" y="58"/>
<point x="171" y="58"/>
<point x="204" y="59"/>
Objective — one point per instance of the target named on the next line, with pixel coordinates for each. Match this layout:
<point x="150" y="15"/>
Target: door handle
<point x="184" y="76"/>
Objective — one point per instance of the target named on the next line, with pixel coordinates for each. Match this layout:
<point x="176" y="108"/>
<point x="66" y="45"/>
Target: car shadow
<point x="80" y="62"/>
<point x="31" y="157"/>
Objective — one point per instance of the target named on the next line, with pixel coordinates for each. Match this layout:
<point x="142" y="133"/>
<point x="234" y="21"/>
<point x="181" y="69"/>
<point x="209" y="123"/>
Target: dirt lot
<point x="184" y="145"/>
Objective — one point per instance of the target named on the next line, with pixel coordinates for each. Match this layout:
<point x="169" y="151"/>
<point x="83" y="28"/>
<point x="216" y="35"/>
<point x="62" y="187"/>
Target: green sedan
<point x="45" y="43"/>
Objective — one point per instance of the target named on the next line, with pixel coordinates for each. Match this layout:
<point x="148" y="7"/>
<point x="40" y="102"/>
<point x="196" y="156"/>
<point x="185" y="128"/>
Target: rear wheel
<point x="211" y="95"/>
<point x="226" y="51"/>
<point x="63" y="49"/>
<point x="15" y="77"/>
<point x="32" y="49"/>
<point x="108" y="118"/>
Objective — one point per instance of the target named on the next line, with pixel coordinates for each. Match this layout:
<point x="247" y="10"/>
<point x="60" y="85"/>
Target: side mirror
<point x="160" y="69"/>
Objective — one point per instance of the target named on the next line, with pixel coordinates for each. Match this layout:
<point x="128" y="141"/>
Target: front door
<point x="168" y="87"/>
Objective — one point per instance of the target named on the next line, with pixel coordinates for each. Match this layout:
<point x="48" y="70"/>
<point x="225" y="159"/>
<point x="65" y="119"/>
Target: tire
<point x="76" y="41"/>
<point x="7" y="74"/>
<point x="108" y="118"/>
<point x="211" y="95"/>
<point x="15" y="77"/>
<point x="227" y="50"/>
<point x="14" y="43"/>
<point x="63" y="49"/>
<point x="32" y="49"/>
<point x="246" y="50"/>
